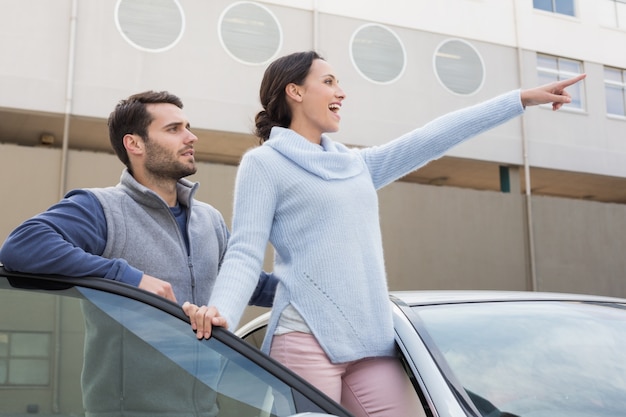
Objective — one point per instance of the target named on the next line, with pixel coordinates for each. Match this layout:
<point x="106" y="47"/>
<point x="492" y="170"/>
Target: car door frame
<point x="50" y="283"/>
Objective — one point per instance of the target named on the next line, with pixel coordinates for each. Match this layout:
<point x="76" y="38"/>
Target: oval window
<point x="377" y="53"/>
<point x="250" y="33"/>
<point x="459" y="67"/>
<point x="150" y="25"/>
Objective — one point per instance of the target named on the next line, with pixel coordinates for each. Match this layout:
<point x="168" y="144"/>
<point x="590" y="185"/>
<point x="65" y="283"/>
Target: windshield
<point x="532" y="358"/>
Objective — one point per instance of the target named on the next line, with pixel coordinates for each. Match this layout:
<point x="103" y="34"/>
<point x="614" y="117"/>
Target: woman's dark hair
<point x="292" y="68"/>
<point x="132" y="116"/>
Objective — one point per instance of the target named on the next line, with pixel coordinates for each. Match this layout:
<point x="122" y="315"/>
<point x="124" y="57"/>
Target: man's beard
<point x="161" y="164"/>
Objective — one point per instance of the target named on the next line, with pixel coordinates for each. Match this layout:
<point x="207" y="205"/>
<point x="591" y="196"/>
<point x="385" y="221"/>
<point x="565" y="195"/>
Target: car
<point x="100" y="348"/>
<point x="507" y="353"/>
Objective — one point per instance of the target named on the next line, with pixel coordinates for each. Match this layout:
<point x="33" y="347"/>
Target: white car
<point x="503" y="354"/>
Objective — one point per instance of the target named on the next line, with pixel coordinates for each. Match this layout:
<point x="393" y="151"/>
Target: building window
<point x="152" y="26"/>
<point x="615" y="91"/>
<point x="377" y="53"/>
<point x="612" y="13"/>
<point x="556" y="6"/>
<point x="459" y="67"/>
<point x="552" y="68"/>
<point x="250" y="33"/>
<point x="24" y="358"/>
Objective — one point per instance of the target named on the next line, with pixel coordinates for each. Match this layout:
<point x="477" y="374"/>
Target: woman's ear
<point x="293" y="92"/>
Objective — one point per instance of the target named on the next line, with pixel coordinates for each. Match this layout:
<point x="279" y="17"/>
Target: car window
<point x="532" y="358"/>
<point x="81" y="351"/>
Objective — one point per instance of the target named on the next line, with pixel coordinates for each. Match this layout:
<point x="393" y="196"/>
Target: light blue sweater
<point x="318" y="207"/>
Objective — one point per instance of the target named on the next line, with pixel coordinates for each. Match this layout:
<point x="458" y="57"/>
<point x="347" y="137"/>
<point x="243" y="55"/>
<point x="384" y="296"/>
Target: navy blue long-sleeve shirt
<point x="69" y="239"/>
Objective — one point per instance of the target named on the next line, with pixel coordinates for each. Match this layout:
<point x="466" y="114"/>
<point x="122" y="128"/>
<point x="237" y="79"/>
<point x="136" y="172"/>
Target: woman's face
<point x="321" y="97"/>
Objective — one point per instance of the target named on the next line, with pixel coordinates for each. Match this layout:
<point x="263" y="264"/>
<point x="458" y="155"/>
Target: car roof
<point x="430" y="297"/>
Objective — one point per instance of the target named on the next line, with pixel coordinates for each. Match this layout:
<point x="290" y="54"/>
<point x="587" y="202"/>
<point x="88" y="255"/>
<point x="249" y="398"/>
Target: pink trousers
<point x="371" y="387"/>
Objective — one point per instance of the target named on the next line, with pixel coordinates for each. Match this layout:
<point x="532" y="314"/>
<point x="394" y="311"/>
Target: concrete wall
<point x="449" y="238"/>
<point x="580" y="246"/>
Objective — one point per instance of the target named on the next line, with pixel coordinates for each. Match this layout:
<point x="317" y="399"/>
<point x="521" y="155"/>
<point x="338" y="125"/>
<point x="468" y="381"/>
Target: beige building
<point x="538" y="203"/>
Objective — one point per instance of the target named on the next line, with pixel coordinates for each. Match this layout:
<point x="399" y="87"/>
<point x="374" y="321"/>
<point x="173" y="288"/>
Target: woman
<point x="315" y="200"/>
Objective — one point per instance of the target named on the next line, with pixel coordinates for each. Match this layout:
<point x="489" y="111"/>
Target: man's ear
<point x="134" y="144"/>
<point x="293" y="91"/>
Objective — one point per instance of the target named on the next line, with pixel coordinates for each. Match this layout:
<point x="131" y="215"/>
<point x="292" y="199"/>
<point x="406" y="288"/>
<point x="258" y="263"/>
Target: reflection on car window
<point x="108" y="355"/>
<point x="539" y="358"/>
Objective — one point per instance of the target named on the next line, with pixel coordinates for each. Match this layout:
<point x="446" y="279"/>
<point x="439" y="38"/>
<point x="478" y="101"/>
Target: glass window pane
<point x="29" y="371"/>
<point x="546" y="61"/>
<point x="30" y="344"/>
<point x="138" y="336"/>
<point x="576" y="92"/>
<point x="569" y="66"/>
<point x="615" y="100"/>
<point x="615" y="91"/>
<point x="4" y="344"/>
<point x="117" y="353"/>
<point x="613" y="74"/>
<point x="565" y="7"/>
<point x="250" y="33"/>
<point x="4" y="369"/>
<point x="27" y="375"/>
<point x="377" y="53"/>
<point x="153" y="25"/>
<point x="207" y="372"/>
<point x="546" y="78"/>
<point x="539" y="356"/>
<point x="543" y="5"/>
<point x="459" y="67"/>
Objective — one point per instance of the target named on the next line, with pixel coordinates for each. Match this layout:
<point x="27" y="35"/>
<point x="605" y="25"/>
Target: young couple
<point x="312" y="198"/>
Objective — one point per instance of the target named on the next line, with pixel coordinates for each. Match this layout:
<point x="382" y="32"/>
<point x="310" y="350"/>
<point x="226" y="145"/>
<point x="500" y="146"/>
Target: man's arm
<point x="67" y="239"/>
<point x="263" y="295"/>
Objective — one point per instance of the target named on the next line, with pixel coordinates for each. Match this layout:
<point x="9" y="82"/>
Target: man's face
<point x="169" y="148"/>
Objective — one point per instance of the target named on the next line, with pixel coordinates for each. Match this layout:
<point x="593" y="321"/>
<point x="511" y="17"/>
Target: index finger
<point x="571" y="81"/>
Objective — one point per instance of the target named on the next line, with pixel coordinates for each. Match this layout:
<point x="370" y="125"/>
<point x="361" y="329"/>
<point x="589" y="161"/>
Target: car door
<point x="94" y="347"/>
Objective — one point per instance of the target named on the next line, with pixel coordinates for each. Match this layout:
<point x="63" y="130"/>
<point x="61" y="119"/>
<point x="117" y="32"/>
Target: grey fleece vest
<point x="119" y="377"/>
<point x="142" y="230"/>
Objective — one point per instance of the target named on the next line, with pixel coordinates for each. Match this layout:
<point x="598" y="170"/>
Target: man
<point x="147" y="231"/>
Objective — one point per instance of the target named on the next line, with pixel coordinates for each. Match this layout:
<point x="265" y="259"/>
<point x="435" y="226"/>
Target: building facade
<point x="538" y="203"/>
